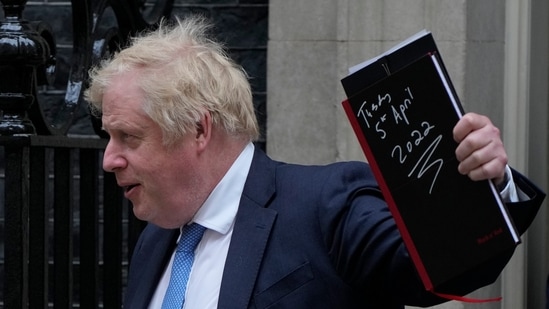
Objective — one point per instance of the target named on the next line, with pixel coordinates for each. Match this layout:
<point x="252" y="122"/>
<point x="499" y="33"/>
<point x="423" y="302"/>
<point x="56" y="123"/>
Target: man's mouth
<point x="129" y="188"/>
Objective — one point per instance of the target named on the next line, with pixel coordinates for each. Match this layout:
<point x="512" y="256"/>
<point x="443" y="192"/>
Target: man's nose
<point x="112" y="158"/>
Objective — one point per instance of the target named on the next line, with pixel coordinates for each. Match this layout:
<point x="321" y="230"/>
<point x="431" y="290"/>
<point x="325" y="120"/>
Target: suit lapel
<point x="250" y="235"/>
<point x="155" y="258"/>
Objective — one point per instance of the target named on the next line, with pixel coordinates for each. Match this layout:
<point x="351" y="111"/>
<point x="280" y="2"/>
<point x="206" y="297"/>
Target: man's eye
<point x="127" y="136"/>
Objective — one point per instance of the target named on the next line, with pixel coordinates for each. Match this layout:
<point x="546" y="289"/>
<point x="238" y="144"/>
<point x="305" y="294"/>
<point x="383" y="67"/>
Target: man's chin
<point x="140" y="213"/>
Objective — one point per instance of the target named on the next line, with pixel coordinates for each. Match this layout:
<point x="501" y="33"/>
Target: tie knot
<point x="190" y="237"/>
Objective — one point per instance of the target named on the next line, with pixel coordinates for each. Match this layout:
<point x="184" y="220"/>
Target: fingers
<point x="480" y="151"/>
<point x="468" y="123"/>
<point x="487" y="162"/>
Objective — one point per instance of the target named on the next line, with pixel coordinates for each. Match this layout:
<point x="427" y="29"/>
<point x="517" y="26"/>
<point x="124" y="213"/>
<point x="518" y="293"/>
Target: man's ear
<point x="204" y="129"/>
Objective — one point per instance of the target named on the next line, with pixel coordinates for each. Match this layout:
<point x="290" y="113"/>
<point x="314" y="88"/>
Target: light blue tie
<point x="181" y="268"/>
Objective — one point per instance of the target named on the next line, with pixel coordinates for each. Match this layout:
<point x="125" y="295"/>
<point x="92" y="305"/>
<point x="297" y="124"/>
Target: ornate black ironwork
<point x="27" y="58"/>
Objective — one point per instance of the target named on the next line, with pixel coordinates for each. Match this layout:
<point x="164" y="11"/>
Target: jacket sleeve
<point x="524" y="212"/>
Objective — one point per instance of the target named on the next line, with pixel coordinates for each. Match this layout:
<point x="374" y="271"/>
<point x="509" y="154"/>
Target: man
<point x="181" y="122"/>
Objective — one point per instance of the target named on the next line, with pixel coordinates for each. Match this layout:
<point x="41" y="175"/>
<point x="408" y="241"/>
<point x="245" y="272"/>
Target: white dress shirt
<point x="217" y="214"/>
<point x="510" y="193"/>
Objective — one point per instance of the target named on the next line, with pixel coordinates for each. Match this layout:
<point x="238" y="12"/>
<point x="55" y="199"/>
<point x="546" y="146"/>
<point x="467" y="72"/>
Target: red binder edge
<point x="388" y="197"/>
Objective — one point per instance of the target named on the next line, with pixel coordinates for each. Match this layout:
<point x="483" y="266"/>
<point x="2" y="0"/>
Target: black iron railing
<point x="66" y="230"/>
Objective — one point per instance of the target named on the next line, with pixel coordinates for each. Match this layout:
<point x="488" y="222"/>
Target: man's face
<point x="163" y="184"/>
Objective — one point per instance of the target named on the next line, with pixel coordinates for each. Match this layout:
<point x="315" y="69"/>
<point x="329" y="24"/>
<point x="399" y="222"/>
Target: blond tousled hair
<point x="182" y="73"/>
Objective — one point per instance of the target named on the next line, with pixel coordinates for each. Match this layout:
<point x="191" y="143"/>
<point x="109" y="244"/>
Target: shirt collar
<point x="219" y="210"/>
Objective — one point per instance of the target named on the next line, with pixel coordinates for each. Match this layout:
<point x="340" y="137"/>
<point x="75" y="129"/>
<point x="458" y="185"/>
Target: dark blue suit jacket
<point x="312" y="237"/>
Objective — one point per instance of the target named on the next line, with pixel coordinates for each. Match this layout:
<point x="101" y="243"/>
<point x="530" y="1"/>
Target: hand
<point x="480" y="150"/>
